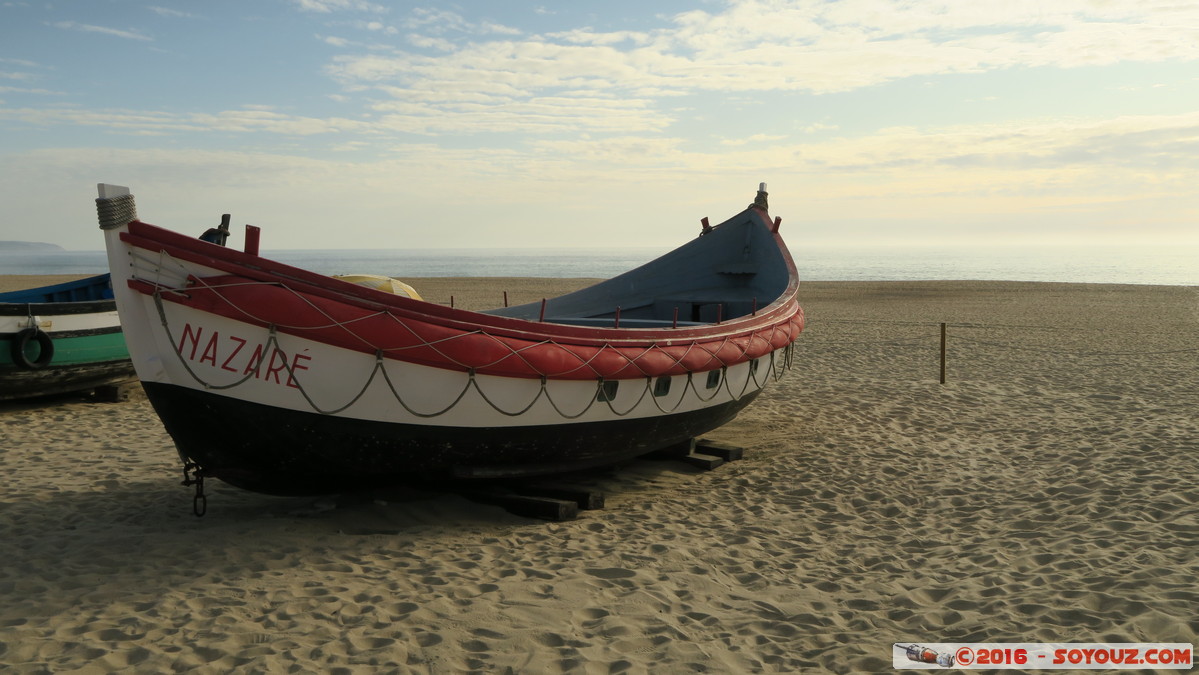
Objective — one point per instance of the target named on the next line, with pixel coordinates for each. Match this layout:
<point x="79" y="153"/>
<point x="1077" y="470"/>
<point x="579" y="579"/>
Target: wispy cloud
<point x="755" y="139"/>
<point x="18" y="62"/>
<point x="330" y="6"/>
<point x="247" y="120"/>
<point x="1144" y="151"/>
<point x="173" y="13"/>
<point x="22" y="90"/>
<point x="115" y="32"/>
<point x="426" y="42"/>
<point x="441" y="21"/>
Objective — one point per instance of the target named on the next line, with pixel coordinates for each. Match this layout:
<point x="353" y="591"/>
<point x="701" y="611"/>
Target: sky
<point x="342" y="124"/>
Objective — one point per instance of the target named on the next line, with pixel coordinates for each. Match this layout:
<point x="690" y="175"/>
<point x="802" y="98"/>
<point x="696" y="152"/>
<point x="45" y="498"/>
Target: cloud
<point x="21" y="90"/>
<point x="492" y="28"/>
<point x="441" y="21"/>
<point x="244" y="121"/>
<point x="427" y="42"/>
<point x="330" y="6"/>
<point x="811" y="47"/>
<point x="450" y="111"/>
<point x="588" y="37"/>
<point x="87" y="28"/>
<point x="1130" y="142"/>
<point x="697" y="105"/>
<point x="1022" y="172"/>
<point x="756" y="138"/>
<point x="818" y="127"/>
<point x="172" y="13"/>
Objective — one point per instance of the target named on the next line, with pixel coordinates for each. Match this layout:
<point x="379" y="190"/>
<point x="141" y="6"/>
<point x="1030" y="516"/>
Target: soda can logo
<point x="919" y="654"/>
<point x="1043" y="656"/>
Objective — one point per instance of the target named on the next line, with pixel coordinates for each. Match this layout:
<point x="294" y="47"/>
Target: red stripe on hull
<point x="296" y="302"/>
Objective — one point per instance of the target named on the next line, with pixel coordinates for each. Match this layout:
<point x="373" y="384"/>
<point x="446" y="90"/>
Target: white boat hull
<point x="277" y="380"/>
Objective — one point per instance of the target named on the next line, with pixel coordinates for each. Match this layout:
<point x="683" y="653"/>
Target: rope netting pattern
<point x="777" y="367"/>
<point x="201" y="294"/>
<point x="470" y="348"/>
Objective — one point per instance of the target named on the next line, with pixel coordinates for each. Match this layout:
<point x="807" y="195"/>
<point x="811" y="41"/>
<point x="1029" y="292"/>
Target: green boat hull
<point x="61" y="338"/>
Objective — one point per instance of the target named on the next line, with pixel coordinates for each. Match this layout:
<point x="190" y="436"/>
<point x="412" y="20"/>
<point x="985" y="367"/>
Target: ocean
<point x="1174" y="266"/>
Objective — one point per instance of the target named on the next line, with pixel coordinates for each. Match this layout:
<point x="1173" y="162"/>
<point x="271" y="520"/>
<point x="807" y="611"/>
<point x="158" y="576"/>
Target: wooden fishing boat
<point x="61" y="338"/>
<point x="283" y="381"/>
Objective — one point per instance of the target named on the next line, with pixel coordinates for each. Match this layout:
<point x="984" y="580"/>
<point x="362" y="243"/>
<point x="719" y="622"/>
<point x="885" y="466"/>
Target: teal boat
<point x="61" y="338"/>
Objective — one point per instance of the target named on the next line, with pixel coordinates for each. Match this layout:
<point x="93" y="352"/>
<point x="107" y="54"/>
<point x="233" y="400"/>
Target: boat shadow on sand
<point x="142" y="532"/>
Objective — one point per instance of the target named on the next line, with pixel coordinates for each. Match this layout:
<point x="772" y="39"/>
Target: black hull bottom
<point x="17" y="383"/>
<point x="284" y="452"/>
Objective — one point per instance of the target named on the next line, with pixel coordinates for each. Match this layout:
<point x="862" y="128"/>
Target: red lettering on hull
<point x="229" y="353"/>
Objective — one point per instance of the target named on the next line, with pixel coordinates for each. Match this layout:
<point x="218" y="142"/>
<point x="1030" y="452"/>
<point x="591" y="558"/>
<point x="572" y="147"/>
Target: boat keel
<point x="285" y="452"/>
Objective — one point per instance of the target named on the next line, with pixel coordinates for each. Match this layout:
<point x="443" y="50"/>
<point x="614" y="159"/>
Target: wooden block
<point x="729" y="453"/>
<point x="701" y="461"/>
<point x="545" y="508"/>
<point x="586" y="499"/>
<point x="676" y="451"/>
<point x="116" y="393"/>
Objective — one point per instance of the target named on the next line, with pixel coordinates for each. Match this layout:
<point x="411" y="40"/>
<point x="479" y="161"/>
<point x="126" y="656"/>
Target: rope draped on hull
<point x="604" y="392"/>
<point x="465" y="347"/>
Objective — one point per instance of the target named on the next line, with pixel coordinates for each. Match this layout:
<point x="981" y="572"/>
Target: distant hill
<point x="27" y="246"/>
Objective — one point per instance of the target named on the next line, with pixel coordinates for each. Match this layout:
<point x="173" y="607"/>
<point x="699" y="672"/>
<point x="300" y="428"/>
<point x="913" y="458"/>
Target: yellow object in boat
<point x="381" y="283"/>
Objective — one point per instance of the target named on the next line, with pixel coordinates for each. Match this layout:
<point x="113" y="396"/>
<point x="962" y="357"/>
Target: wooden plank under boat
<point x="280" y="380"/>
<point x="61" y="338"/>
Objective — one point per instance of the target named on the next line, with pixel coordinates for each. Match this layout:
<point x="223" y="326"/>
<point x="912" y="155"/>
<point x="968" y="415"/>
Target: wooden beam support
<point x="544" y="508"/>
<point x="119" y="392"/>
<point x="729" y="453"/>
<point x="700" y="461"/>
<point x="587" y="500"/>
<point x="675" y="451"/>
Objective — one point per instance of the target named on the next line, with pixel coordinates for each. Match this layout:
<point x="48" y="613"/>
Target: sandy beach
<point x="1047" y="492"/>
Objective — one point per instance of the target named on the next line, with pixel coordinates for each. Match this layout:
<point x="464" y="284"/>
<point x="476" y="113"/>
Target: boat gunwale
<point x="57" y="308"/>
<point x="147" y="236"/>
<point x="102" y="280"/>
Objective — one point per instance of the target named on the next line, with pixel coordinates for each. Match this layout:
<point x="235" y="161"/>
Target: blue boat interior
<point x="81" y="290"/>
<point x="729" y="271"/>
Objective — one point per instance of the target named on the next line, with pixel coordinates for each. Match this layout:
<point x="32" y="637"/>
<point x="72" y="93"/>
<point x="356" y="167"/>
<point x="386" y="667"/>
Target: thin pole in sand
<point x="942" y="353"/>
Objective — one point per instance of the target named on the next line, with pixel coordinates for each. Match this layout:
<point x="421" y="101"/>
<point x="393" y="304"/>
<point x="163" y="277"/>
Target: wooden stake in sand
<point x="942" y="353"/>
